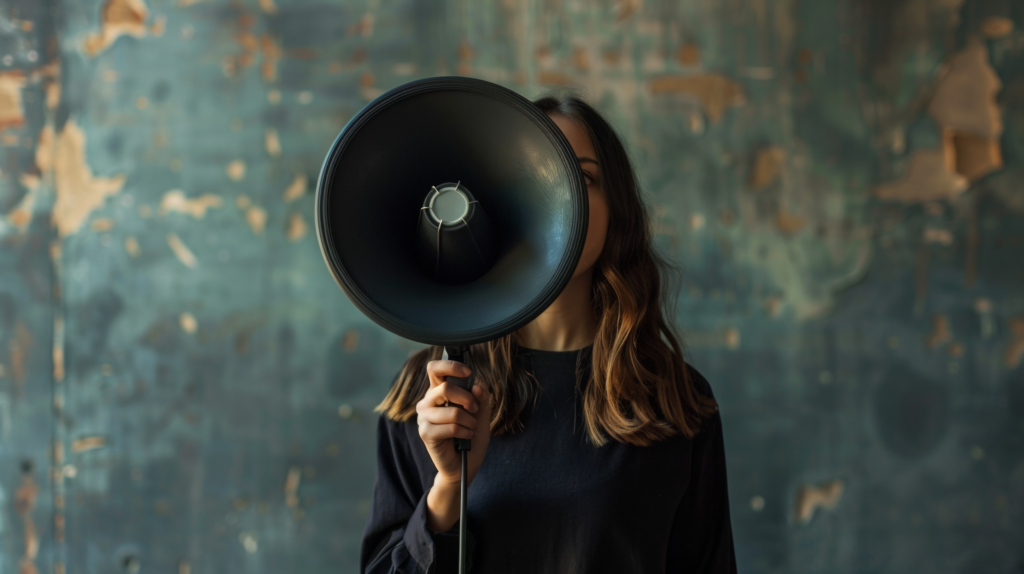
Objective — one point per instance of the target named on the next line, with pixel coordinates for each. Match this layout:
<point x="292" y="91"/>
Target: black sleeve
<point x="397" y="539"/>
<point x="701" y="538"/>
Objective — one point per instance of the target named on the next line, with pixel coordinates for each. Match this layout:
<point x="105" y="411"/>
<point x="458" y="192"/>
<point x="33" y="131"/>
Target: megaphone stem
<point x="458" y="353"/>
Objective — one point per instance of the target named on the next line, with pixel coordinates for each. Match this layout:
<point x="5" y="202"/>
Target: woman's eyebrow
<point x="587" y="160"/>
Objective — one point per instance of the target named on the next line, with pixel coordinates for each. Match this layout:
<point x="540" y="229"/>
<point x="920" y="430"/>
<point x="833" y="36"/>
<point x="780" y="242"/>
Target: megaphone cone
<point x="451" y="211"/>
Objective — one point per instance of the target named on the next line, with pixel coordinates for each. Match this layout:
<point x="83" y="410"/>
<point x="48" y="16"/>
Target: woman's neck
<point x="567" y="324"/>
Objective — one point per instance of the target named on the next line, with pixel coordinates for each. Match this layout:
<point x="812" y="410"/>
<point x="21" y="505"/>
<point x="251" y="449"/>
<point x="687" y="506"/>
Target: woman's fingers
<point x="439" y="369"/>
<point x="451" y="394"/>
<point x="448" y="415"/>
<point x="439" y="433"/>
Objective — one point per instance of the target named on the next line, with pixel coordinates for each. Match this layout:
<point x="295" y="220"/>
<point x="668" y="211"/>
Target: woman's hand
<point x="439" y="424"/>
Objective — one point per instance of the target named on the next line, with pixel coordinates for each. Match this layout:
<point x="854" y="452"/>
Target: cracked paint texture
<point x="184" y="388"/>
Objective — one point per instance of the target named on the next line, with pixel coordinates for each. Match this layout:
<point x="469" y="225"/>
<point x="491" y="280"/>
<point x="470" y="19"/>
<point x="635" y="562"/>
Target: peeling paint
<point x="715" y="93"/>
<point x="789" y="223"/>
<point x="79" y="192"/>
<point x="929" y="177"/>
<point x="88" y="443"/>
<point x="271" y="54"/>
<point x="12" y="113"/>
<point x="1015" y="349"/>
<point x="256" y="217"/>
<point x="297" y="227"/>
<point x="175" y="200"/>
<point x="188" y="323"/>
<point x="24" y="502"/>
<point x="131" y="245"/>
<point x="296" y="189"/>
<point x="183" y="253"/>
<point x="19" y="347"/>
<point x="235" y="170"/>
<point x="117" y="18"/>
<point x="272" y="143"/>
<point x="811" y="497"/>
<point x="940" y="332"/>
<point x="291" y="487"/>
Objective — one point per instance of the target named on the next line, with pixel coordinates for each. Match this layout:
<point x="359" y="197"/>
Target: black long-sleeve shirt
<point x="546" y="500"/>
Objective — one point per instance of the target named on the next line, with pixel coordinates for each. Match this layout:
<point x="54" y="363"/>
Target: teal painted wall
<point x="184" y="389"/>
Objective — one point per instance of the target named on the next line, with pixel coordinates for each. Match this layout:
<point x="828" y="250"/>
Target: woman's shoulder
<point x="700" y="383"/>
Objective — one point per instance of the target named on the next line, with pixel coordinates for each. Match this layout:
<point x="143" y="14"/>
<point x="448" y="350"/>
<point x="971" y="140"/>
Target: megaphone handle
<point x="460" y="355"/>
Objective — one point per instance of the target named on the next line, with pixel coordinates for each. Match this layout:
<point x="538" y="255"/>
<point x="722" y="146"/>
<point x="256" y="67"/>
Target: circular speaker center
<point x="449" y="206"/>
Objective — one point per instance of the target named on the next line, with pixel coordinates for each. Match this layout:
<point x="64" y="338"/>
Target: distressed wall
<point x="183" y="388"/>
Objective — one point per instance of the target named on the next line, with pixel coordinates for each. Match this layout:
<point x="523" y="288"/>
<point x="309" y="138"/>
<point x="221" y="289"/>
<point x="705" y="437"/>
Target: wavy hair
<point x="638" y="389"/>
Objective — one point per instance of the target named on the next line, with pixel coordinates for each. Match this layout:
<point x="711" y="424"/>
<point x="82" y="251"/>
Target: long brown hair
<point x="640" y="389"/>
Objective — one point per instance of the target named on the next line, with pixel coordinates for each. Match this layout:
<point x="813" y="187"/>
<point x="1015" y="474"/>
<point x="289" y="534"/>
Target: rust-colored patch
<point x="12" y="114"/>
<point x="44" y="149"/>
<point x="366" y="79"/>
<point x="715" y="92"/>
<point x="24" y="502"/>
<point x="297" y="227"/>
<point x="256" y="217"/>
<point x="626" y="8"/>
<point x="732" y="338"/>
<point x="21" y="215"/>
<point x="768" y="162"/>
<point x="956" y="350"/>
<point x="175" y="200"/>
<point x="88" y="443"/>
<point x="940" y="332"/>
<point x="19" y="347"/>
<point x="965" y="99"/>
<point x="1015" y="350"/>
<point x="350" y="340"/>
<point x="811" y="497"/>
<point x="158" y="27"/>
<point x="117" y="18"/>
<point x="789" y="223"/>
<point x="188" y="323"/>
<point x="78" y="190"/>
<point x="58" y="348"/>
<point x="938" y="235"/>
<point x="611" y="57"/>
<point x="291" y="487"/>
<point x="804" y="56"/>
<point x="131" y="245"/>
<point x="465" y="57"/>
<point x="580" y="59"/>
<point x="271" y="54"/>
<point x="773" y="305"/>
<point x="996" y="26"/>
<point x="52" y="94"/>
<point x="235" y="170"/>
<point x="976" y="155"/>
<point x="550" y="78"/>
<point x="102" y="224"/>
<point x="930" y="176"/>
<point x="181" y="251"/>
<point x="268" y="6"/>
<point x="688" y="54"/>
<point x="271" y="142"/>
<point x="364" y="27"/>
<point x="296" y="189"/>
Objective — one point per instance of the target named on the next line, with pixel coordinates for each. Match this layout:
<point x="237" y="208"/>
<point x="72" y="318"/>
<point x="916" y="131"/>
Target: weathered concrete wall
<point x="183" y="388"/>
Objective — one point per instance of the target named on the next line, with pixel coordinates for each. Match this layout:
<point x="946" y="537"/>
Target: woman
<point x="596" y="448"/>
